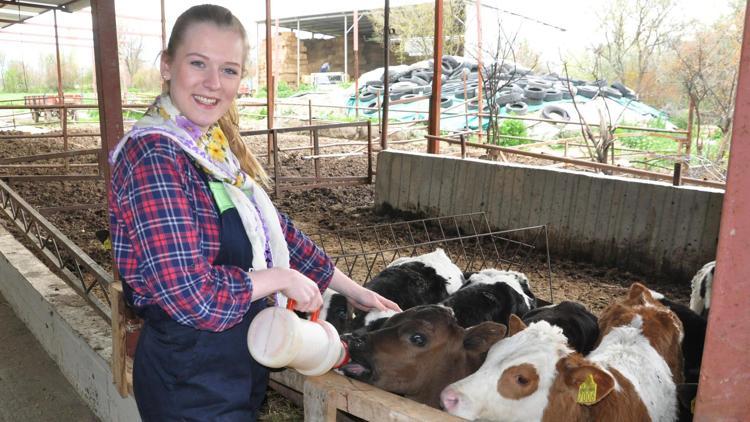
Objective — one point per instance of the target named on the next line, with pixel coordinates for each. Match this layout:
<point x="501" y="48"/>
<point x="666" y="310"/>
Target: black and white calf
<point x="491" y="295"/>
<point x="700" y="298"/>
<point x="336" y="310"/>
<point x="579" y="326"/>
<point x="694" y="326"/>
<point x="413" y="281"/>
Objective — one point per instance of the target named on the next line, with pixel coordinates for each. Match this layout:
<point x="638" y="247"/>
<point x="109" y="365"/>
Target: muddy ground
<point x="312" y="209"/>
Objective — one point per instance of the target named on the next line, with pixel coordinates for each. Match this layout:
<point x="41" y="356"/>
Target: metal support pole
<point x="723" y="388"/>
<point x="346" y="49"/>
<point x="164" y="27"/>
<point x="356" y="64"/>
<point x="386" y="87"/>
<point x="60" y="94"/>
<point x="433" y="126"/>
<point x="270" y="88"/>
<point x="480" y="79"/>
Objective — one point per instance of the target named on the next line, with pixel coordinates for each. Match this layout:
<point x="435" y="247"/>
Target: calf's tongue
<point x="354" y="369"/>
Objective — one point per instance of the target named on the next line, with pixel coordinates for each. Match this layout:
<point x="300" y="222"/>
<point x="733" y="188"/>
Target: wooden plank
<point x="696" y="226"/>
<point x="710" y="237"/>
<point x="465" y="181"/>
<point x="492" y="193"/>
<point x="598" y="236"/>
<point x="594" y="206"/>
<point x="649" y="210"/>
<point x="396" y="181"/>
<point x="482" y="187"/>
<point x="436" y="174"/>
<point x="119" y="366"/>
<point x="498" y="199"/>
<point x="664" y="232"/>
<point x="577" y="202"/>
<point x="536" y="198"/>
<point x="333" y="391"/>
<point x="383" y="181"/>
<point x="626" y="220"/>
<point x="447" y="187"/>
<point x="402" y="170"/>
<point x="559" y="211"/>
<point x="424" y="184"/>
<point x="674" y="255"/>
<point x="609" y="250"/>
<point x="516" y="198"/>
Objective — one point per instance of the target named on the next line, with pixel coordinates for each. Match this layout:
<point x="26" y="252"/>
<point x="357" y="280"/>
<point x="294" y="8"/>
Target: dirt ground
<point x="313" y="209"/>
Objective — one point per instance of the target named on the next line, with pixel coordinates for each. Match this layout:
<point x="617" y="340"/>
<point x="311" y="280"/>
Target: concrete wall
<point x="647" y="227"/>
<point x="76" y="338"/>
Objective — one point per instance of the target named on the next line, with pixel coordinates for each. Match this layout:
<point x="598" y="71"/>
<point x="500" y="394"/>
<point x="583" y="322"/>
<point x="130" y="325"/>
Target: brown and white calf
<point x="533" y="375"/>
<point x="418" y="352"/>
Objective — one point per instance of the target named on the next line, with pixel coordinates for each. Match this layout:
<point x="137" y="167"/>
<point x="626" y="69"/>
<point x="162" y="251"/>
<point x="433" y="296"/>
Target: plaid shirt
<point x="165" y="237"/>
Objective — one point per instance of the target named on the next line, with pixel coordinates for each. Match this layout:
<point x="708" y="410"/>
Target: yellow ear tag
<point x="692" y="406"/>
<point x="587" y="391"/>
<point x="107" y="245"/>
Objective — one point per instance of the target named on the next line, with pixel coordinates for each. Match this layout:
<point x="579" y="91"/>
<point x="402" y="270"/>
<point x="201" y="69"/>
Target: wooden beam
<point x="386" y="78"/>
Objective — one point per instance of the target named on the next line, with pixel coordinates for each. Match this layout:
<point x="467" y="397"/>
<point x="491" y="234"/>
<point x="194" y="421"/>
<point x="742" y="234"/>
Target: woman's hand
<point x="367" y="300"/>
<point x="291" y="283"/>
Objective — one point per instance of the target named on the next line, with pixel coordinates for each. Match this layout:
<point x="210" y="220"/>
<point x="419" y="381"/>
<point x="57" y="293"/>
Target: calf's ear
<point x="588" y="383"/>
<point x="515" y="325"/>
<point x="480" y="338"/>
<point x="640" y="294"/>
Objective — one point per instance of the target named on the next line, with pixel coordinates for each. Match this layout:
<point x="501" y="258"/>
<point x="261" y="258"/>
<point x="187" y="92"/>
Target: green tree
<point x="413" y="27"/>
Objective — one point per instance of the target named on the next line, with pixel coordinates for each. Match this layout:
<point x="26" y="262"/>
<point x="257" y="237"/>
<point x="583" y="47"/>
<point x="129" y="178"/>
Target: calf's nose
<point x="449" y="399"/>
<point x="353" y="340"/>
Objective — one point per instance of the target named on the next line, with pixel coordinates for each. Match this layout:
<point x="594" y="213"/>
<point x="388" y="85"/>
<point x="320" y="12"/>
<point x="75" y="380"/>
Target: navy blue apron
<point x="184" y="374"/>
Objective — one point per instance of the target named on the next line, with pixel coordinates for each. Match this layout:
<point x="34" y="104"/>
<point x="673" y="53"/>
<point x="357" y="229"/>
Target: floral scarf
<point x="211" y="152"/>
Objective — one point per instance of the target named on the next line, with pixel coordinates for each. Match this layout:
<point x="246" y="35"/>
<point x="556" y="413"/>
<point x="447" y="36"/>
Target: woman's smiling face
<point x="205" y="72"/>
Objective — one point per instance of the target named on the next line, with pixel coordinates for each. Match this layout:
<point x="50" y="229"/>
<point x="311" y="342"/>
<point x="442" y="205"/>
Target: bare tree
<point x="130" y="49"/>
<point x="634" y="31"/>
<point x="414" y="28"/>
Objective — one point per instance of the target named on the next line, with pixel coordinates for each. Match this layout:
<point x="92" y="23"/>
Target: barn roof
<point x="17" y="12"/>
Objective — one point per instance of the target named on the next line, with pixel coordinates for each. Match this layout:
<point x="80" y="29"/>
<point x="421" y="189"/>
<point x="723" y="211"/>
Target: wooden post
<point x="433" y="124"/>
<point x="463" y="145"/>
<point x="276" y="164"/>
<point x="346" y="48"/>
<point x="309" y="118"/>
<point x="164" y="27"/>
<point x="386" y="83"/>
<point x="676" y="175"/>
<point x="689" y="135"/>
<point x="316" y="152"/>
<point x="297" y="36"/>
<point x="369" y="151"/>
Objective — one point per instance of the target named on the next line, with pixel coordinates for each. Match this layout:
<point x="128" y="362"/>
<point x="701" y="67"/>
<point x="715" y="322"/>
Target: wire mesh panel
<point x="469" y="241"/>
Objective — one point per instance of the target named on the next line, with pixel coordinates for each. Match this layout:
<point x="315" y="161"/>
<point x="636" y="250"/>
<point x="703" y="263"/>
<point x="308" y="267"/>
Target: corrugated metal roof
<point x="331" y="24"/>
<point x="16" y="12"/>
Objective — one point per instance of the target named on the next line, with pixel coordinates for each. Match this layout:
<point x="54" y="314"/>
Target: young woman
<point x="197" y="242"/>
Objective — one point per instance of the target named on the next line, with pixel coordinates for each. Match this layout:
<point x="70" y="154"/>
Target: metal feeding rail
<point x="362" y="252"/>
<point x="78" y="270"/>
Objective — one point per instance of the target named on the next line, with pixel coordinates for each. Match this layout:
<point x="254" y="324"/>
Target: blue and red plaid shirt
<point x="165" y="237"/>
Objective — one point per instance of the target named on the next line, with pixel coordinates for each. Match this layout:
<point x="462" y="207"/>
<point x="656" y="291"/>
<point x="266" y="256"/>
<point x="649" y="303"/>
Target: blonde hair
<point x="230" y="121"/>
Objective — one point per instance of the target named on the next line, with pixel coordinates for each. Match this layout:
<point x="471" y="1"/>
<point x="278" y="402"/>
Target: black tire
<point x="533" y="101"/>
<point x="533" y="92"/>
<point x="424" y="75"/>
<point x="473" y="104"/>
<point x="611" y="93"/>
<point x="553" y="94"/>
<point x="367" y="96"/>
<point x="601" y="83"/>
<point x="588" y="91"/>
<point x="518" y="108"/>
<point x="371" y="109"/>
<point x="554" y="112"/>
<point x="35" y="115"/>
<point x="470" y="93"/>
<point x="508" y="97"/>
<point x="446" y="102"/>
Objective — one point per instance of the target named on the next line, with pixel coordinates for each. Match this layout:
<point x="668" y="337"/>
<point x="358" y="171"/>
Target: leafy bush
<point x="512" y="127"/>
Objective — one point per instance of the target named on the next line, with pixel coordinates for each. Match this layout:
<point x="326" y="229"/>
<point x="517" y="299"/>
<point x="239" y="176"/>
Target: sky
<point x="538" y="22"/>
